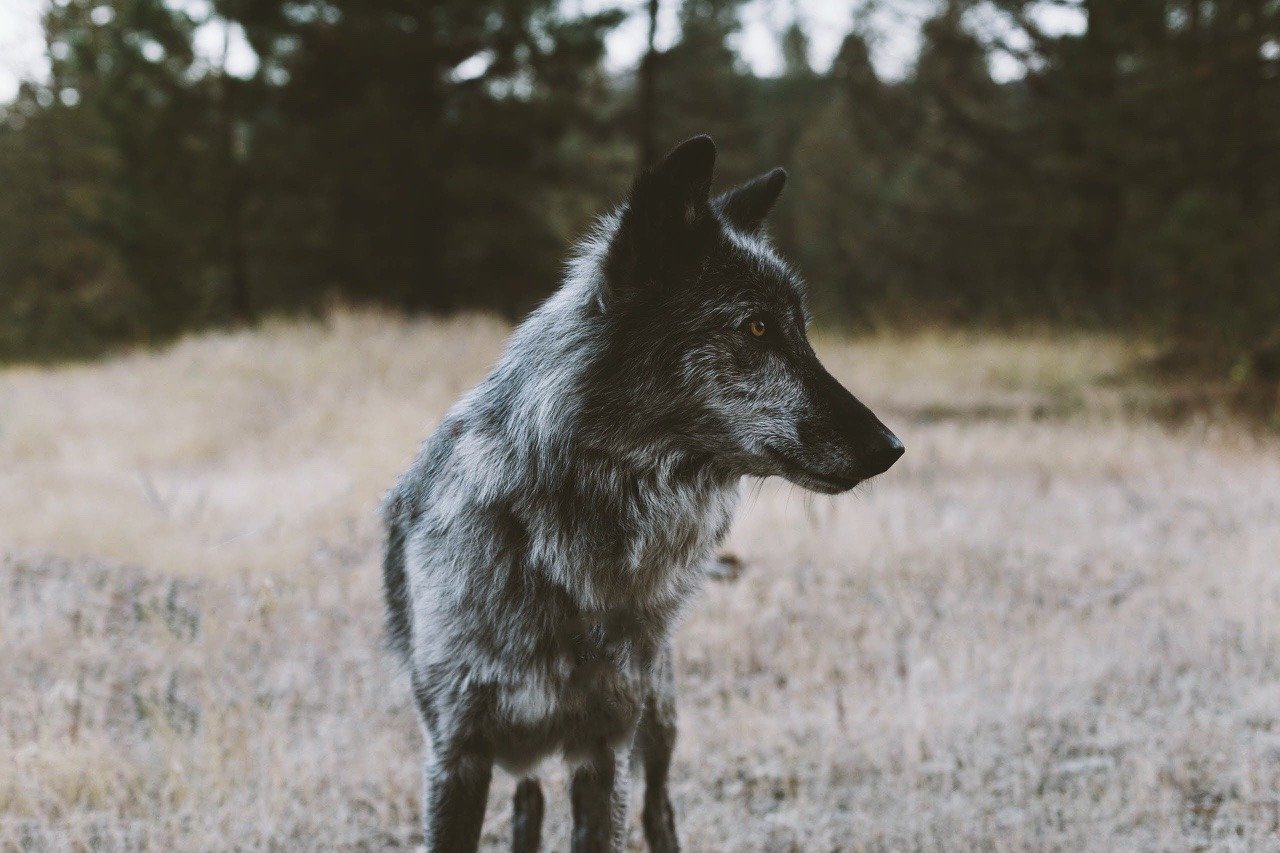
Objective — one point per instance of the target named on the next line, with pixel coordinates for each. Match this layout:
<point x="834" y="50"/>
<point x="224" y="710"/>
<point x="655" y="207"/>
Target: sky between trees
<point x="897" y="22"/>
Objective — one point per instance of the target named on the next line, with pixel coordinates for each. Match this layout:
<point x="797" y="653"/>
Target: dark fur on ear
<point x="667" y="221"/>
<point x="745" y="206"/>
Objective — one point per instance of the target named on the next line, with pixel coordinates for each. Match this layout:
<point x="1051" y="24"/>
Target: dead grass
<point x="1056" y="624"/>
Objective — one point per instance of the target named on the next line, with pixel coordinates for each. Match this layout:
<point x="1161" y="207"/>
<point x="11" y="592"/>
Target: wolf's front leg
<point x="599" y="792"/>
<point x="457" y="769"/>
<point x="455" y="791"/>
<point x="655" y="741"/>
<point x="526" y="817"/>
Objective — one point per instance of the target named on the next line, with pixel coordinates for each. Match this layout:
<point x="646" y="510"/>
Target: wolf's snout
<point x="880" y="457"/>
<point x="842" y="443"/>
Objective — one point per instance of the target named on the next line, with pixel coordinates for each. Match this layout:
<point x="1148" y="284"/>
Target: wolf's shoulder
<point x="404" y="501"/>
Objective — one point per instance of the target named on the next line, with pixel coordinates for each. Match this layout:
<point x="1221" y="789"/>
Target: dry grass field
<point x="1054" y="625"/>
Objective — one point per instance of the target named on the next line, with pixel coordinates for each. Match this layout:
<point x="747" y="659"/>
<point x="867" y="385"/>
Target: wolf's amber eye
<point x="757" y="327"/>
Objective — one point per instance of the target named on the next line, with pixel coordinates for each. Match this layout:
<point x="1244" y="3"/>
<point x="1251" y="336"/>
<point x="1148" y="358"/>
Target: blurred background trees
<point x="434" y="155"/>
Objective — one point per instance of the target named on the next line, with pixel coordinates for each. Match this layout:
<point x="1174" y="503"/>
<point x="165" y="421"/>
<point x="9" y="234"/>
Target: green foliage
<point x="62" y="289"/>
<point x="431" y="186"/>
<point x="1127" y="178"/>
<point x="439" y="154"/>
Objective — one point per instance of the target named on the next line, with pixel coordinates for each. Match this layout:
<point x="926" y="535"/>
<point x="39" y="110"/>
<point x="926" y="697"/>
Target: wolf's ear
<point x="680" y="181"/>
<point x="745" y="206"/>
<point x="667" y="218"/>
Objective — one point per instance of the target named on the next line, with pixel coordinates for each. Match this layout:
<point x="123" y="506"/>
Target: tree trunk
<point x="235" y="262"/>
<point x="1249" y="116"/>
<point x="1098" y="175"/>
<point x="645" y="91"/>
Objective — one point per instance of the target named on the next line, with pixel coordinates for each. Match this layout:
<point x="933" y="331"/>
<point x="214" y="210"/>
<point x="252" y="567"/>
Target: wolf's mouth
<point x="803" y="475"/>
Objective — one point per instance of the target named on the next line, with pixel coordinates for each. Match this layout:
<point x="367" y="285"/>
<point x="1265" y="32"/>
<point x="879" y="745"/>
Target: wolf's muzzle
<point x="841" y="420"/>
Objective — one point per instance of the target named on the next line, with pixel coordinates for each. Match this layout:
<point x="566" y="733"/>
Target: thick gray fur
<point x="541" y="547"/>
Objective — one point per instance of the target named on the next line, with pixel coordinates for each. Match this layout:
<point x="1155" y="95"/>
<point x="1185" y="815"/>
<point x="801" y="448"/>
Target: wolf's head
<point x="705" y="333"/>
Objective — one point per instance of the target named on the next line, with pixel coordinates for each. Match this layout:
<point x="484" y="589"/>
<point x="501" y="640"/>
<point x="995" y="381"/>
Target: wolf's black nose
<point x="882" y="455"/>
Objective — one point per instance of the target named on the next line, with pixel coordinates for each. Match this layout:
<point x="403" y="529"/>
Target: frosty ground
<point x="1054" y="624"/>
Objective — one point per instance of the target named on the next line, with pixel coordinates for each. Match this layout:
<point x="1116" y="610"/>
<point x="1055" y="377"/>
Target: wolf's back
<point x="402" y="510"/>
<point x="395" y="587"/>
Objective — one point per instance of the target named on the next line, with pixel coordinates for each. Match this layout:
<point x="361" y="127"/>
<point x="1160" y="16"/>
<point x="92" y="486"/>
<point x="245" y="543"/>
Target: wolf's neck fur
<point x="610" y="515"/>
<point x="538" y="384"/>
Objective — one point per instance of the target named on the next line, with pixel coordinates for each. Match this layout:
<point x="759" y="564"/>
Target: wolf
<point x="543" y="543"/>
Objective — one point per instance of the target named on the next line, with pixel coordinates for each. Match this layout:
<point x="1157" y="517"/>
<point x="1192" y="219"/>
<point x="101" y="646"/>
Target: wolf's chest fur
<point x="542" y="595"/>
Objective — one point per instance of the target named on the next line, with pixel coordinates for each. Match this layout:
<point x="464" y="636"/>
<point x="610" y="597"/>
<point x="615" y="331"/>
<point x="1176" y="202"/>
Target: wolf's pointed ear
<point x="678" y="183"/>
<point x="667" y="218"/>
<point x="745" y="206"/>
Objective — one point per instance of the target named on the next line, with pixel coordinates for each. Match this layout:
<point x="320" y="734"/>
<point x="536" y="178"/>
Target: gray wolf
<point x="542" y="545"/>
